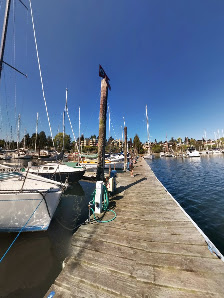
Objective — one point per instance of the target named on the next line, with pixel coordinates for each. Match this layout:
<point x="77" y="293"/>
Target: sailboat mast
<point x="18" y="133"/>
<point x="63" y="131"/>
<point x="4" y="32"/>
<point x="36" y="134"/>
<point x="109" y="129"/>
<point x="66" y="109"/>
<point x="79" y="136"/>
<point x="122" y="138"/>
<point x="24" y="140"/>
<point x="147" y="119"/>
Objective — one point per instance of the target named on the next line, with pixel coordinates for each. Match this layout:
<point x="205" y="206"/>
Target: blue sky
<point x="166" y="54"/>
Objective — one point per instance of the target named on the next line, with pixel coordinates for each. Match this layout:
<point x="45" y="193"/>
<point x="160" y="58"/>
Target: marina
<point x="133" y="206"/>
<point x="152" y="248"/>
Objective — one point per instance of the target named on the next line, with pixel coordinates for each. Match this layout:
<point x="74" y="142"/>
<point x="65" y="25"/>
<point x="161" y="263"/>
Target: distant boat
<point x="192" y="152"/>
<point x="216" y="151"/>
<point x="169" y="154"/>
<point x="5" y="156"/>
<point x="148" y="156"/>
<point x="21" y="154"/>
<point x="92" y="163"/>
<point x="59" y="172"/>
<point x="89" y="156"/>
<point x="116" y="157"/>
<point x="203" y="152"/>
<point x="48" y="155"/>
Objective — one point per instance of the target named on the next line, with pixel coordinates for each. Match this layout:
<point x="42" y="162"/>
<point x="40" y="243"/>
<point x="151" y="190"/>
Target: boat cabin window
<point x="45" y="168"/>
<point x="51" y="168"/>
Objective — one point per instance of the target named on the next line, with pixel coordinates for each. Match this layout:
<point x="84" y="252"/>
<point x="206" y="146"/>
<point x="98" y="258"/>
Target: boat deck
<point x="17" y="181"/>
<point x="152" y="249"/>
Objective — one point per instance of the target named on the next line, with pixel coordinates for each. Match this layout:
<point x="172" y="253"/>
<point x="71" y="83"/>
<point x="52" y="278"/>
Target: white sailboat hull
<point x="21" y="210"/>
<point x="27" y="201"/>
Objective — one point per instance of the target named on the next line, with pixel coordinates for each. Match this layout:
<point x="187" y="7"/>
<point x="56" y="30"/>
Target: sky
<point x="168" y="55"/>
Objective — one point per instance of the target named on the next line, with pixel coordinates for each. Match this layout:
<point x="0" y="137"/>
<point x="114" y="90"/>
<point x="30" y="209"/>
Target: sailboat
<point x="27" y="201"/>
<point x="149" y="155"/>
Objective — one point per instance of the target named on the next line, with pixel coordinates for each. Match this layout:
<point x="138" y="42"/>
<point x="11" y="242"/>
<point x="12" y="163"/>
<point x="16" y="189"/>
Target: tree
<point x="137" y="144"/>
<point x="2" y="143"/>
<point x="33" y="140"/>
<point x="82" y="138"/>
<point x="27" y="140"/>
<point x="42" y="140"/>
<point x="192" y="142"/>
<point x="59" y="141"/>
<point x="49" y="142"/>
<point x="179" y="140"/>
<point x="156" y="148"/>
<point x="172" y="140"/>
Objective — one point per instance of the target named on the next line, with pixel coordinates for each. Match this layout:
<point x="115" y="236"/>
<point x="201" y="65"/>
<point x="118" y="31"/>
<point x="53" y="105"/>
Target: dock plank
<point x="151" y="249"/>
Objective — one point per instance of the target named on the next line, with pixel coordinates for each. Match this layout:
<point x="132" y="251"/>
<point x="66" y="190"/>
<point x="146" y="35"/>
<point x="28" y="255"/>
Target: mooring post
<point x="125" y="148"/>
<point x="102" y="125"/>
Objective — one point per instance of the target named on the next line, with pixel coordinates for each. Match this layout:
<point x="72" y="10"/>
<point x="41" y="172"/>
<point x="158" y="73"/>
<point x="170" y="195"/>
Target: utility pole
<point x="102" y="124"/>
<point x="125" y="148"/>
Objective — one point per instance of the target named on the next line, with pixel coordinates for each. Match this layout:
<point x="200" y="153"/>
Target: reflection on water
<point x="35" y="259"/>
<point x="197" y="184"/>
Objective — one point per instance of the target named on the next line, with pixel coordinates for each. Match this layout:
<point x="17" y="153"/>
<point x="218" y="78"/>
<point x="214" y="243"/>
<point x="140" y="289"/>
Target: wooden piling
<point x="102" y="130"/>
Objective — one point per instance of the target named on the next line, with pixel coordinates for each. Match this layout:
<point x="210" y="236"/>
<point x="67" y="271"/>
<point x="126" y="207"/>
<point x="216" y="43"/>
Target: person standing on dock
<point x="128" y="162"/>
<point x="131" y="166"/>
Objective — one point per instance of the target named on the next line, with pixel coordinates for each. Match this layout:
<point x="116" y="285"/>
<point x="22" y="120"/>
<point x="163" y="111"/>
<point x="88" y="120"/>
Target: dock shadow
<point x="123" y="188"/>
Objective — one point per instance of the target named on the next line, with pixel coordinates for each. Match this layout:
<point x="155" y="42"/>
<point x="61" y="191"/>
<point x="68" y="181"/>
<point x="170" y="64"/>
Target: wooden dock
<point x="151" y="249"/>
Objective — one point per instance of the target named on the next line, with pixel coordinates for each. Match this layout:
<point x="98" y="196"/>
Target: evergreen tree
<point x="42" y="140"/>
<point x="59" y="141"/>
<point x="137" y="144"/>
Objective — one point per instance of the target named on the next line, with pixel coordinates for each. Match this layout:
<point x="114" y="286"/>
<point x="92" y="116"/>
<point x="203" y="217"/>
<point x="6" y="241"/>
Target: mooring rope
<point x="41" y="79"/>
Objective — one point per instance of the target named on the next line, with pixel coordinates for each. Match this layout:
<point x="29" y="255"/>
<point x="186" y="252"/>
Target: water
<point x="197" y="185"/>
<point x="35" y="260"/>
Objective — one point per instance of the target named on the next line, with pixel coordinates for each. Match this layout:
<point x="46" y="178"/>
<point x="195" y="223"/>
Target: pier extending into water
<point x="152" y="249"/>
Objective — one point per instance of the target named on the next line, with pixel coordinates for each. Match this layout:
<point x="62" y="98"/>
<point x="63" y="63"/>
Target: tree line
<point x="41" y="141"/>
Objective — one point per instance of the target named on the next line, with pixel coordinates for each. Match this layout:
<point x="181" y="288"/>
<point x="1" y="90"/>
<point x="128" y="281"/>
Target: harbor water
<point x="35" y="259"/>
<point x="197" y="185"/>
